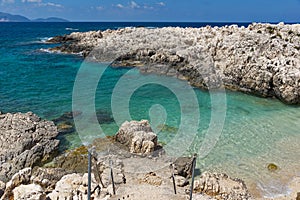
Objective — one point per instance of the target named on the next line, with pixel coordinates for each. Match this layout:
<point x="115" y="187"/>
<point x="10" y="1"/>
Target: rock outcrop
<point x="25" y="141"/>
<point x="138" y="137"/>
<point x="31" y="184"/>
<point x="70" y="42"/>
<point x="261" y="59"/>
<point x="47" y="177"/>
<point x="2" y="188"/>
<point x="29" y="192"/>
<point x="20" y="178"/>
<point x="135" y="177"/>
<point x="221" y="186"/>
<point x="74" y="186"/>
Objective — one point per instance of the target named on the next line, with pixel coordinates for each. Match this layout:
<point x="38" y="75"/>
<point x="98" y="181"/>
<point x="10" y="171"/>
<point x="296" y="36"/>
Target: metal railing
<point x="112" y="176"/>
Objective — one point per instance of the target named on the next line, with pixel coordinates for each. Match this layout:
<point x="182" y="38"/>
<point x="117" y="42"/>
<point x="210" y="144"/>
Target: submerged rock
<point x="73" y="160"/>
<point x="167" y="128"/>
<point x="272" y="167"/>
<point x="65" y="123"/>
<point x="104" y="117"/>
<point x="25" y="141"/>
<point x="67" y="117"/>
<point x="65" y="128"/>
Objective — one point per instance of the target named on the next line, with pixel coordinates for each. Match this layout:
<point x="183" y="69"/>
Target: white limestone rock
<point x="137" y="136"/>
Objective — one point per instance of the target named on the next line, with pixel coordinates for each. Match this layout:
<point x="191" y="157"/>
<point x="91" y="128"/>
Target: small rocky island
<point x="261" y="59"/>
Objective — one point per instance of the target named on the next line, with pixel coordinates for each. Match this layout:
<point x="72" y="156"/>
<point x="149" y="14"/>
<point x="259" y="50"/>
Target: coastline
<point x="135" y="167"/>
<point x="261" y="59"/>
<point x="143" y="167"/>
<point x="145" y="67"/>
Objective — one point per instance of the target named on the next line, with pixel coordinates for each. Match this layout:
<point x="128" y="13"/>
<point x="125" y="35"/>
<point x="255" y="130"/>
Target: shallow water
<point x="256" y="131"/>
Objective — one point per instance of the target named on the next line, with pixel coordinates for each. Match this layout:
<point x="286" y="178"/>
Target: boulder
<point x="138" y="137"/>
<point x="183" y="166"/>
<point x="47" y="177"/>
<point x="65" y="123"/>
<point x="74" y="186"/>
<point x="152" y="179"/>
<point x="29" y="192"/>
<point x="221" y="186"/>
<point x="2" y="188"/>
<point x="25" y="141"/>
<point x="22" y="177"/>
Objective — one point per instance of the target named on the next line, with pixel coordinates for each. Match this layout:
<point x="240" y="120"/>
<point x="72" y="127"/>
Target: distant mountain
<point x="50" y="19"/>
<point x="6" y="17"/>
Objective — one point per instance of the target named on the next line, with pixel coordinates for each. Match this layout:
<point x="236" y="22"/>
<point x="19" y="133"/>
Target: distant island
<point x="6" y="17"/>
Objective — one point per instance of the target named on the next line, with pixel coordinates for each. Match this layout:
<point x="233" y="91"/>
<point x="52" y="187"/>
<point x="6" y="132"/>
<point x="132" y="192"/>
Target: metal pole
<point x="173" y="178"/>
<point x="112" y="177"/>
<point x="89" y="174"/>
<point x="193" y="176"/>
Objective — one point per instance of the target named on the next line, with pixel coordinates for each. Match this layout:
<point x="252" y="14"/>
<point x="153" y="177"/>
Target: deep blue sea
<point x="256" y="131"/>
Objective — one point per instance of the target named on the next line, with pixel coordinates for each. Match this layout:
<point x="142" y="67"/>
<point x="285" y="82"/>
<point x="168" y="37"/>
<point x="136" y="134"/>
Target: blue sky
<point x="158" y="10"/>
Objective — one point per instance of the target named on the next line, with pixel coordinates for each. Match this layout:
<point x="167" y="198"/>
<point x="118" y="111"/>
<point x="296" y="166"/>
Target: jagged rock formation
<point x="221" y="186"/>
<point x="20" y="178"/>
<point x="137" y="136"/>
<point x="25" y="141"/>
<point x="261" y="59"/>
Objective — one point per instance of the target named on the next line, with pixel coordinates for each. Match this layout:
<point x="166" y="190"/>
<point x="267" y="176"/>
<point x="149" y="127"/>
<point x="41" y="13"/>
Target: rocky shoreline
<point x="141" y="170"/>
<point x="25" y="141"/>
<point x="261" y="59"/>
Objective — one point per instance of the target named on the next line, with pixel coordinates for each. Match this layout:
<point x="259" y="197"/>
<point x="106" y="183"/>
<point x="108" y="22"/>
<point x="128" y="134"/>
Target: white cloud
<point x="161" y="4"/>
<point x="99" y="8"/>
<point x="148" y="7"/>
<point x="32" y="1"/>
<point x="41" y="4"/>
<point x="50" y="5"/>
<point x="134" y="5"/>
<point x="7" y="1"/>
<point x="54" y="5"/>
<point x="119" y="6"/>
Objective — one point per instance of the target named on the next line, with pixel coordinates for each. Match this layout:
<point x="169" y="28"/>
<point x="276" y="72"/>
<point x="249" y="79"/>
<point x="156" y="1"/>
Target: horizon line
<point x="130" y="21"/>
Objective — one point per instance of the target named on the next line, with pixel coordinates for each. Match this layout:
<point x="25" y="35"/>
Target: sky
<point x="158" y="10"/>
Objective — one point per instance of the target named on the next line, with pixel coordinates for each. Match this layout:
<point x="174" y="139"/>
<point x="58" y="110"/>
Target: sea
<point x="231" y="132"/>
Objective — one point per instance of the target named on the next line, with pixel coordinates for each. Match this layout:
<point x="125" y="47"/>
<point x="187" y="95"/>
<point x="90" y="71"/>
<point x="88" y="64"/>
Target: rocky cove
<point x="261" y="59"/>
<point x="141" y="170"/>
<point x="65" y="177"/>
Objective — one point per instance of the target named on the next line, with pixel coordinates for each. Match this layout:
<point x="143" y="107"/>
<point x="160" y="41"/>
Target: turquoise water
<point x="256" y="131"/>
